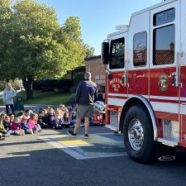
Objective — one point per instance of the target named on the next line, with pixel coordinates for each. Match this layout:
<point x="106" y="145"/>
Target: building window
<point x="164" y="17"/>
<point x="140" y="49"/>
<point x="117" y="53"/>
<point x="164" y="45"/>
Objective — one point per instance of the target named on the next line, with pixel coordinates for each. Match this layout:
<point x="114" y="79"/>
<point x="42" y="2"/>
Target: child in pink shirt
<point x="32" y="123"/>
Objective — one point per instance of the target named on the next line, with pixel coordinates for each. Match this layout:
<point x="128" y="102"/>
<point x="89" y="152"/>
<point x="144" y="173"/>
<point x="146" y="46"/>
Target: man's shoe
<point x="86" y="136"/>
<point x="71" y="133"/>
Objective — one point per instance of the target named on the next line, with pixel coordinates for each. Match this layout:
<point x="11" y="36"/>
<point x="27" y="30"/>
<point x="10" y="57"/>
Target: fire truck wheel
<point x="138" y="135"/>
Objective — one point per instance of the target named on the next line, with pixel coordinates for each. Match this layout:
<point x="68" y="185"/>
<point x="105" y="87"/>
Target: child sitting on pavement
<point x="51" y="118"/>
<point x="12" y="117"/>
<point x="15" y="126"/>
<point x="6" y="123"/>
<point x="66" y="120"/>
<point x="58" y="119"/>
<point x="2" y="128"/>
<point x="42" y="119"/>
<point x="27" y="114"/>
<point x="33" y="125"/>
<point x="24" y="124"/>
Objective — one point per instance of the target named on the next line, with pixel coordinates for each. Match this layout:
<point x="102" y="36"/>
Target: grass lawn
<point x="47" y="98"/>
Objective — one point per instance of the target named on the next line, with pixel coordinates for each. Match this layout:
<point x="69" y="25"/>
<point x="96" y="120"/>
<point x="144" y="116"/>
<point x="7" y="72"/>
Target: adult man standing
<point x="85" y="96"/>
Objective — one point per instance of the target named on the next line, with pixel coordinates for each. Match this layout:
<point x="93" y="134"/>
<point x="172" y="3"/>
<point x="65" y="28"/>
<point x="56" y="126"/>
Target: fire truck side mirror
<point x="105" y="53"/>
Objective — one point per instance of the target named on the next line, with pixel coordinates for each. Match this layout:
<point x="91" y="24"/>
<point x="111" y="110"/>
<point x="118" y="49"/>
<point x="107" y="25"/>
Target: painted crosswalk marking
<point x="97" y="146"/>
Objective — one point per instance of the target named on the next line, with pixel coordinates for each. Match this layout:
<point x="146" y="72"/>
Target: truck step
<point x="168" y="141"/>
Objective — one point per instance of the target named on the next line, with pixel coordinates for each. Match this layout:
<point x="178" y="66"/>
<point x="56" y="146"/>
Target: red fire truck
<point x="146" y="80"/>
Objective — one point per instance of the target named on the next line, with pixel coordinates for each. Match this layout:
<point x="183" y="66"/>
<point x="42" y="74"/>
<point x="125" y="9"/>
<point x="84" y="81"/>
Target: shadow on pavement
<point x="21" y="143"/>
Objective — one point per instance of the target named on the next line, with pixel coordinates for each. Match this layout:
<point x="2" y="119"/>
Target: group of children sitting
<point x="29" y="122"/>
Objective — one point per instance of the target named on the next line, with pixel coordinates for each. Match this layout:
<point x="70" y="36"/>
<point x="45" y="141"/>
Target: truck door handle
<point x="174" y="80"/>
<point x="124" y="80"/>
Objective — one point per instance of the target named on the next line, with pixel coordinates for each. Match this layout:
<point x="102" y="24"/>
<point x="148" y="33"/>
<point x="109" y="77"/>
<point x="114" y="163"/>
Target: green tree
<point x="5" y="39"/>
<point x="38" y="46"/>
<point x="70" y="36"/>
<point x="89" y="51"/>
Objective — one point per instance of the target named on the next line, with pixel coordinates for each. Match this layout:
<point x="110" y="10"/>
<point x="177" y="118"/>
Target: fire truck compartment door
<point x="164" y="66"/>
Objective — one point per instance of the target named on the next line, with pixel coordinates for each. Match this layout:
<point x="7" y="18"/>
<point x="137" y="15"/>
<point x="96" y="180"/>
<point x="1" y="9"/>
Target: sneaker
<point x="86" y="136"/>
<point x="71" y="133"/>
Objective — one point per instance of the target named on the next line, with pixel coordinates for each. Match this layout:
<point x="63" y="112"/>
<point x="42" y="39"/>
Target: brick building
<point x="95" y="66"/>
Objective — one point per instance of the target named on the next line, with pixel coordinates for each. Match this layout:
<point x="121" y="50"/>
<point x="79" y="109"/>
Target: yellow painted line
<point x="99" y="139"/>
<point x="93" y="139"/>
<point x="74" y="146"/>
<point x="75" y="143"/>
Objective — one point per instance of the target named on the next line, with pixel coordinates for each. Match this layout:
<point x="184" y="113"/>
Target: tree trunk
<point x="72" y="76"/>
<point x="27" y="83"/>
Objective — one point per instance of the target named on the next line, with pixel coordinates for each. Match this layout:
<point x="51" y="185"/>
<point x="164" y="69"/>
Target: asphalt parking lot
<point x="52" y="158"/>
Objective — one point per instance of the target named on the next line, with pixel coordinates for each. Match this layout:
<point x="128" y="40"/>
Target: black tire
<point x="146" y="153"/>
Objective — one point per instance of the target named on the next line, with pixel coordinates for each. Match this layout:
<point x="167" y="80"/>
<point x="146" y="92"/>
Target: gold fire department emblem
<point x="163" y="82"/>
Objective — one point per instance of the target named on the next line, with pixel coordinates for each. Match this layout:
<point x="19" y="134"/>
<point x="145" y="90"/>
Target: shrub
<point x="78" y="78"/>
<point x="71" y="100"/>
<point x="62" y="85"/>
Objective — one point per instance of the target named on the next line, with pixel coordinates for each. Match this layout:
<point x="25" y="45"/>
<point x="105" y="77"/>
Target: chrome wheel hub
<point x="136" y="134"/>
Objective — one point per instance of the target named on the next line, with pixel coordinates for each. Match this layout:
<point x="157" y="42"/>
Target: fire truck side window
<point x="164" y="45"/>
<point x="164" y="17"/>
<point x="140" y="49"/>
<point x="117" y="53"/>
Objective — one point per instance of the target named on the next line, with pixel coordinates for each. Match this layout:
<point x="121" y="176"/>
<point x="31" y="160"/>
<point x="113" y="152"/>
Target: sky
<point x="98" y="18"/>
